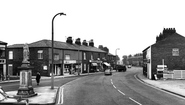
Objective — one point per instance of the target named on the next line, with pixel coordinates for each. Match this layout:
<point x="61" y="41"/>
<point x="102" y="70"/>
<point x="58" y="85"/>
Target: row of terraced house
<point x="69" y="56"/>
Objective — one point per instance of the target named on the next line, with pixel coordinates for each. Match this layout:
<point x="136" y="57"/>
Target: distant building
<point x="170" y="48"/>
<point x="3" y="61"/>
<point x="135" y="60"/>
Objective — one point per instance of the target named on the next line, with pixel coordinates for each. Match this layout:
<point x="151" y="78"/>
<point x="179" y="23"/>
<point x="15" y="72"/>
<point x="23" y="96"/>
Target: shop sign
<point x="95" y="61"/>
<point x="2" y="45"/>
<point x="45" y="67"/>
<point x="2" y="61"/>
<point x="69" y="61"/>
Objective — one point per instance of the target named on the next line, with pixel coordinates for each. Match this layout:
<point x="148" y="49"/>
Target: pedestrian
<point x="38" y="78"/>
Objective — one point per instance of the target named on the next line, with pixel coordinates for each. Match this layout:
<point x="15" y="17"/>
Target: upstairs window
<point x="2" y="52"/>
<point x="40" y="54"/>
<point x="91" y="56"/>
<point x="84" y="56"/>
<point x="10" y="54"/>
<point x="67" y="57"/>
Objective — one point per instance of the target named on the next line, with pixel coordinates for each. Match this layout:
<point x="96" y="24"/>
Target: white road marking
<point x="135" y="101"/>
<point x="114" y="86"/>
<point x="111" y="81"/>
<point x="121" y="92"/>
<point x="61" y="96"/>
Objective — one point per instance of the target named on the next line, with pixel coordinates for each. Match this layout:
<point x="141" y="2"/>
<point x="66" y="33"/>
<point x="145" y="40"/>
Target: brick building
<point x="3" y="60"/>
<point x="67" y="56"/>
<point x="168" y="50"/>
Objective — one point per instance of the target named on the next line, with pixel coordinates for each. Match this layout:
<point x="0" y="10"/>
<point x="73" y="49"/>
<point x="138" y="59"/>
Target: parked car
<point x="121" y="68"/>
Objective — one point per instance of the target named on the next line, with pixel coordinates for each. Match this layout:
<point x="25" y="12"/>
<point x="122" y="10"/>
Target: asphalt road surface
<point x="122" y="88"/>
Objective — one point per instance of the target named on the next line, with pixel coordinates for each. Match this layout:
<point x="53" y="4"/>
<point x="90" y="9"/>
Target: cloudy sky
<point x="131" y="25"/>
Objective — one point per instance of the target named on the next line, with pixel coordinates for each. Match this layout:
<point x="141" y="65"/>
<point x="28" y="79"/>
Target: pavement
<point x="174" y="86"/>
<point x="45" y="95"/>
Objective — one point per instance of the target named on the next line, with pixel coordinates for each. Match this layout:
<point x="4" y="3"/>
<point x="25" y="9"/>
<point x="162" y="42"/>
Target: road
<point x="44" y="82"/>
<point x="122" y="88"/>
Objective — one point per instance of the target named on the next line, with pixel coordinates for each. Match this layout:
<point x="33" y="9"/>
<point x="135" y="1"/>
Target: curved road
<point x="122" y="88"/>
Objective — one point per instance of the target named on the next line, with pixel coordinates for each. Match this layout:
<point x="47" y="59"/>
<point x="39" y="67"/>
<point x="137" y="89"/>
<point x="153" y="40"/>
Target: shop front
<point x="95" y="65"/>
<point x="71" y="67"/>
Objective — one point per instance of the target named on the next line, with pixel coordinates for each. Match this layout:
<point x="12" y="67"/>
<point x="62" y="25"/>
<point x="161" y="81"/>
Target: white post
<point x="163" y="63"/>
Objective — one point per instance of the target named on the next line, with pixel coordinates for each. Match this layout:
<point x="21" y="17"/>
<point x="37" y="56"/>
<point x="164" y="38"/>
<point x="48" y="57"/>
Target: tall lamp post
<point x="116" y="58"/>
<point x="52" y="56"/>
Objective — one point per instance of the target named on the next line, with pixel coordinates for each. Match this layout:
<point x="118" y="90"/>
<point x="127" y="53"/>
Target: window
<point x="40" y="54"/>
<point x="10" y="69"/>
<point x="10" y="54"/>
<point x="91" y="57"/>
<point x="84" y="56"/>
<point x="56" y="57"/>
<point x="67" y="57"/>
<point x="2" y="52"/>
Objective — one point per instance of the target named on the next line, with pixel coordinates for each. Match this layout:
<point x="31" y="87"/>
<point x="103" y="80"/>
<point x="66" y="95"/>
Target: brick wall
<point x="163" y="50"/>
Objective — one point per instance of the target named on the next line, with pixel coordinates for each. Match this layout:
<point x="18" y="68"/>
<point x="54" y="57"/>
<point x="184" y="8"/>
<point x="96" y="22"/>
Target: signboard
<point x="175" y="52"/>
<point x="69" y="61"/>
<point x="45" y="67"/>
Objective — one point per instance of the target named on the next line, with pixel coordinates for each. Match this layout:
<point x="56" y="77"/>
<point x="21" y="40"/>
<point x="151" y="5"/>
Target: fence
<point x="175" y="74"/>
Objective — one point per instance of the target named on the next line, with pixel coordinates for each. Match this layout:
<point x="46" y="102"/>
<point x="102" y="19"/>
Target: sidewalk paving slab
<point x="173" y="86"/>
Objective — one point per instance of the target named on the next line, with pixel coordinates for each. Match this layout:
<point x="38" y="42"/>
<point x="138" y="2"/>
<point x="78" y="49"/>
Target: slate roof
<point x="1" y="42"/>
<point x="60" y="45"/>
<point x="174" y="39"/>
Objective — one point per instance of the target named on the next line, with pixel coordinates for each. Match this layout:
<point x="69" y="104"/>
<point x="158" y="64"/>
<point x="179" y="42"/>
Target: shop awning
<point x="107" y="64"/>
<point x="94" y="64"/>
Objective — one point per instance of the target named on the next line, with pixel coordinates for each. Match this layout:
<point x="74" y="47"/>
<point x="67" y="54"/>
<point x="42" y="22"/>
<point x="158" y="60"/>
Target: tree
<point x="124" y="59"/>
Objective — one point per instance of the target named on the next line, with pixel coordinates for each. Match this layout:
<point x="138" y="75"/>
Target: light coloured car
<point x="108" y="72"/>
<point x="129" y="66"/>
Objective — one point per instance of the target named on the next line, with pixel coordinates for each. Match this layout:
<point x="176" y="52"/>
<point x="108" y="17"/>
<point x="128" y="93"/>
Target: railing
<point x="176" y="74"/>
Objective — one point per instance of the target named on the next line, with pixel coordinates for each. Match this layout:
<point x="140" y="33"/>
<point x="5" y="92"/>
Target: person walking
<point x="38" y="78"/>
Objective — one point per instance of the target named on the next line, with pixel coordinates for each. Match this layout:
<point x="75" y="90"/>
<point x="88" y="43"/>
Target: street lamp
<point x="116" y="58"/>
<point x="52" y="76"/>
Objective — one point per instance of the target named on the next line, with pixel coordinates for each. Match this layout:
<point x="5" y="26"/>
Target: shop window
<point x="40" y="54"/>
<point x="67" y="57"/>
<point x="10" y="54"/>
<point x="84" y="67"/>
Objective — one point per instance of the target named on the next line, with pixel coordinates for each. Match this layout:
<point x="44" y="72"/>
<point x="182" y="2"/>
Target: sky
<point x="130" y="25"/>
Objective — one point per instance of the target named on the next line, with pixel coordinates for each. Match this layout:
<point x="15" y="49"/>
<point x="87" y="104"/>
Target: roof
<point x="111" y="54"/>
<point x="174" y="39"/>
<point x="1" y="42"/>
<point x="60" y="45"/>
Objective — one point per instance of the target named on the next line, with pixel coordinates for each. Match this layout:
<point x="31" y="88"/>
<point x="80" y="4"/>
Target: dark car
<point x="121" y="68"/>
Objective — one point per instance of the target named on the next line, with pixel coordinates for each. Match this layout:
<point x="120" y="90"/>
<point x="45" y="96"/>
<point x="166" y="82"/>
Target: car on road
<point x="121" y="68"/>
<point x="108" y="72"/>
<point x="129" y="66"/>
